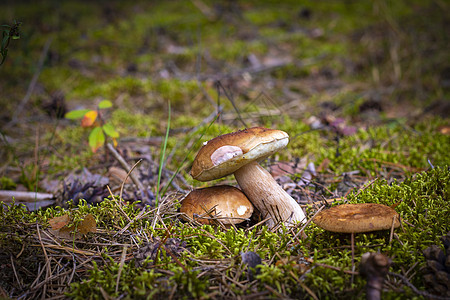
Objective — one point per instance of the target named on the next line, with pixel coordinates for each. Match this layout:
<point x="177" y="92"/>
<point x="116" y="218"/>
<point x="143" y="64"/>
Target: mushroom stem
<point x="267" y="196"/>
<point x="374" y="266"/>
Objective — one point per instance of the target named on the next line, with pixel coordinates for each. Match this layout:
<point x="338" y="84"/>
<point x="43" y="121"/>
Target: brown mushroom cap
<point x="227" y="153"/>
<point x="356" y="218"/>
<point x="227" y="203"/>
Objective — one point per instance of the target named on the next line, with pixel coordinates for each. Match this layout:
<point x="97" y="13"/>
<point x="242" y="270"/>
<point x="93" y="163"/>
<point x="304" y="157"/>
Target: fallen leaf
<point x="59" y="222"/>
<point x="87" y="225"/>
<point x="63" y="228"/>
<point x="118" y="175"/>
<point x="64" y="233"/>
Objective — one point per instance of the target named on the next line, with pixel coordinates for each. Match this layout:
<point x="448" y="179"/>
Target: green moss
<point x="176" y="91"/>
<point x="236" y="50"/>
<point x="119" y="85"/>
<point x="390" y="145"/>
<point x="133" y="124"/>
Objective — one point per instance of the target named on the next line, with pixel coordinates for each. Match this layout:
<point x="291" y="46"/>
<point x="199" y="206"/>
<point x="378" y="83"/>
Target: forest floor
<point x="361" y="88"/>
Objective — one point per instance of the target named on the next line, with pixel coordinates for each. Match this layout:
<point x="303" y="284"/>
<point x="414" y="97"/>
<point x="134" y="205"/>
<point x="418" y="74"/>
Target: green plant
<point x="162" y="156"/>
<point x="9" y="32"/>
<point x="93" y="119"/>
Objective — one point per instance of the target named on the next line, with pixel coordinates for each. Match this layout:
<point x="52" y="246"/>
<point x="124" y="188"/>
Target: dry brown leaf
<point x="59" y="222"/>
<point x="87" y="225"/>
<point x="63" y="233"/>
<point x="63" y="228"/>
<point x="118" y="175"/>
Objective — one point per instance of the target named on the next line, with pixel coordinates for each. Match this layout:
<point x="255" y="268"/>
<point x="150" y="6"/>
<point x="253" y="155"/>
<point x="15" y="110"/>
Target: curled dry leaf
<point x="59" y="222"/>
<point x="87" y="225"/>
<point x="117" y="176"/>
<point x="63" y="227"/>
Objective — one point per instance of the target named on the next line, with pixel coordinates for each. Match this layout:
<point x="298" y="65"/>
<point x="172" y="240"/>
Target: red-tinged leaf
<point x="89" y="118"/>
<point x="110" y="130"/>
<point x="96" y="139"/>
<point x="105" y="104"/>
<point x="76" y="114"/>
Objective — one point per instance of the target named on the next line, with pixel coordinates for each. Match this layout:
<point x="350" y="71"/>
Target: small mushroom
<point x="374" y="267"/>
<point x="225" y="203"/>
<point x="238" y="153"/>
<point x="355" y="218"/>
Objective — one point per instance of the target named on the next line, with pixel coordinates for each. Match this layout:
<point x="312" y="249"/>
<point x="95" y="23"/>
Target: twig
<point x="158" y="208"/>
<point x="7" y="196"/>
<point x="236" y="73"/>
<point x="392" y="229"/>
<point x="47" y="261"/>
<point x="304" y="225"/>
<point x="120" y="202"/>
<point x="205" y="9"/>
<point x="279" y="295"/>
<point x="352" y="237"/>
<point x="414" y="289"/>
<point x="304" y="286"/>
<point x="231" y="99"/>
<point x="139" y="184"/>
<point x="15" y="273"/>
<point x="334" y="268"/>
<point x="31" y="86"/>
<point x="122" y="261"/>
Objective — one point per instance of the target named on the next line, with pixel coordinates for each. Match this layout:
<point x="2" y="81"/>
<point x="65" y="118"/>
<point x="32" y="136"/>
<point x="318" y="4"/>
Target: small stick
<point x="122" y="261"/>
<point x="19" y="196"/>
<point x="139" y="184"/>
<point x="120" y="203"/>
<point x="306" y="224"/>
<point x="304" y="286"/>
<point x="353" y="255"/>
<point x="15" y="273"/>
<point x="392" y="229"/>
<point x="31" y="86"/>
<point x="416" y="290"/>
<point x="47" y="262"/>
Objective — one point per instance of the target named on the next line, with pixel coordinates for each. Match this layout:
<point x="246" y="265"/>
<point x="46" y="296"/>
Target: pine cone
<point x="437" y="270"/>
<point x="87" y="186"/>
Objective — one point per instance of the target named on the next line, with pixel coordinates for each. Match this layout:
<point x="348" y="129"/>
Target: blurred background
<point x="294" y="65"/>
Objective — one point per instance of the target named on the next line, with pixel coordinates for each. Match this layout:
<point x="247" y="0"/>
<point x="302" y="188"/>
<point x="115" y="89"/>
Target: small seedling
<point x="93" y="119"/>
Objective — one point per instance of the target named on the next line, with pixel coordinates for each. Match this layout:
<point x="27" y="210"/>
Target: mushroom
<point x="357" y="218"/>
<point x="238" y="153"/>
<point x="225" y="203"/>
